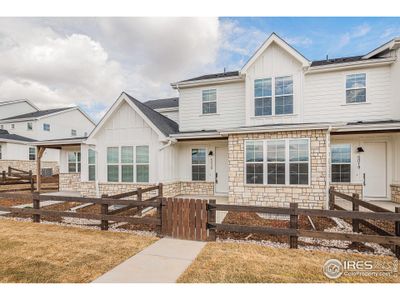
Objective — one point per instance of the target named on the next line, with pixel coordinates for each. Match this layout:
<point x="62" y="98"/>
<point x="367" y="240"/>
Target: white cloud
<point x="61" y="61"/>
<point x="356" y="32"/>
<point x="299" y="41"/>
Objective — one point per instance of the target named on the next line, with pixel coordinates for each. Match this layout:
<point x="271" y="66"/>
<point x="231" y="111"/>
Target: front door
<point x="375" y="170"/>
<point x="221" y="170"/>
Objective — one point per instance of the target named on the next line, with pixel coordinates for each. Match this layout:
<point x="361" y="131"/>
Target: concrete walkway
<point x="162" y="262"/>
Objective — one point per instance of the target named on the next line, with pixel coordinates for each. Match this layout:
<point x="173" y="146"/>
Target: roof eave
<point x="392" y="44"/>
<point x="183" y="84"/>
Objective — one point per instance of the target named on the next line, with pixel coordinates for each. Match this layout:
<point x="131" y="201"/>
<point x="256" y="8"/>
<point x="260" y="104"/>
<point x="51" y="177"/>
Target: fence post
<point x="356" y="207"/>
<point x="160" y="190"/>
<point x="3" y="176"/>
<point x="139" y="198"/>
<point x="294" y="218"/>
<point x="31" y="181"/>
<point x="36" y="205"/>
<point x="159" y="208"/>
<point x="104" y="211"/>
<point x="331" y="203"/>
<point x="397" y="232"/>
<point x="211" y="218"/>
<point x="9" y="171"/>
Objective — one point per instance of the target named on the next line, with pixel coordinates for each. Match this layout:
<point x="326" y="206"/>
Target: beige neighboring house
<point x="22" y="123"/>
<point x="281" y="129"/>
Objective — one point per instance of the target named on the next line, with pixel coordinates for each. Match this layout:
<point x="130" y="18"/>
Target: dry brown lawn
<point x="242" y="263"/>
<point x="32" y="252"/>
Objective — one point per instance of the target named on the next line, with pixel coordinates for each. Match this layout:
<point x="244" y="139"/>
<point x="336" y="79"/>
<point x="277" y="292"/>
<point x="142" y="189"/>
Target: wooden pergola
<point x="55" y="144"/>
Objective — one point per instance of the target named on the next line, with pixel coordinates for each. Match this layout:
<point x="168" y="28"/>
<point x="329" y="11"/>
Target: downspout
<point x="328" y="159"/>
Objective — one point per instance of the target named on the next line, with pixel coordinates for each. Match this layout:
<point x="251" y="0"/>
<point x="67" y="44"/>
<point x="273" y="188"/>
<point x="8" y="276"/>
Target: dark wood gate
<point x="184" y="218"/>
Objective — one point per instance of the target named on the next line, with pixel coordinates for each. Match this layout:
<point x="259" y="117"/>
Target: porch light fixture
<point x="360" y="150"/>
<point x="210" y="153"/>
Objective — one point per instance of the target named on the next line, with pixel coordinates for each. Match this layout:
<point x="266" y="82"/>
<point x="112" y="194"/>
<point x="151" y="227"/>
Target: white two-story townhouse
<point x="282" y="129"/>
<point x="24" y="124"/>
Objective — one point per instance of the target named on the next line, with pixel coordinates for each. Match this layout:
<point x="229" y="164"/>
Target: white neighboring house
<point x="282" y="129"/>
<point x="25" y="124"/>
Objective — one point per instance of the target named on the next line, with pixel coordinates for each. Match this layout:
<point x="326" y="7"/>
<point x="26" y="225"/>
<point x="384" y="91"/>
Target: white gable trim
<point x="393" y="44"/>
<point x="274" y="38"/>
<point x="113" y="108"/>
<point x="19" y="101"/>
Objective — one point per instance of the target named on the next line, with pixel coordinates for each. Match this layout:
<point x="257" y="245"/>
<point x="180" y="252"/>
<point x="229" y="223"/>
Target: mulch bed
<point x="253" y="219"/>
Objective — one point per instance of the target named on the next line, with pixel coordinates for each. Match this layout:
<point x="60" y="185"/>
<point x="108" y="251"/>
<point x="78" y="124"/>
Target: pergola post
<point x="39" y="153"/>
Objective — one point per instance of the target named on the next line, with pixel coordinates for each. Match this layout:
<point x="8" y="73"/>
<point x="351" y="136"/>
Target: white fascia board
<point x="194" y="83"/>
<point x="200" y="135"/>
<point x="274" y="38"/>
<point x="294" y="127"/>
<point x="350" y="65"/>
<point x="58" y="142"/>
<point x="367" y="127"/>
<point x="13" y="141"/>
<point x="392" y="44"/>
<point x="166" y="109"/>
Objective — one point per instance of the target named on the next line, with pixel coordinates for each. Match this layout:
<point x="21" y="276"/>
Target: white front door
<point x="374" y="167"/>
<point x="221" y="170"/>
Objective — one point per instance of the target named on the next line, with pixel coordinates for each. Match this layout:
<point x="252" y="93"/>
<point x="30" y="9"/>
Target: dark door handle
<point x="216" y="177"/>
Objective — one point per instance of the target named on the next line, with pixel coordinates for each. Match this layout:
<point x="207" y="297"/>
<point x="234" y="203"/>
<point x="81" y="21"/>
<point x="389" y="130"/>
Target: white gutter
<point x="349" y="65"/>
<point x="328" y="163"/>
<point x="289" y="127"/>
<point x="366" y="127"/>
<point x="59" y="142"/>
<point x="185" y="136"/>
<point x="170" y="142"/>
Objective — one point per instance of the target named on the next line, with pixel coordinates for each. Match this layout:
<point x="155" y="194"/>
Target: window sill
<point x="207" y="115"/>
<point x="273" y="116"/>
<point x="346" y="183"/>
<point x="278" y="185"/>
<point x="355" y="103"/>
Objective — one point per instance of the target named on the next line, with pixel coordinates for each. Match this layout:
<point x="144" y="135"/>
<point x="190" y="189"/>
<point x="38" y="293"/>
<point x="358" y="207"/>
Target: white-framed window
<point x="1" y="126"/>
<point x="46" y="127"/>
<point x="341" y="163"/>
<point x="142" y="164"/>
<point x="284" y="95"/>
<point x="209" y="101"/>
<point x="199" y="164"/>
<point x="278" y="161"/>
<point x="112" y="164"/>
<point x="74" y="162"/>
<point x="122" y="163"/>
<point x="277" y="101"/>
<point x="32" y="153"/>
<point x="356" y="88"/>
<point x="29" y="126"/>
<point x="91" y="165"/>
<point x="263" y="97"/>
<point x="12" y="126"/>
<point x="73" y="132"/>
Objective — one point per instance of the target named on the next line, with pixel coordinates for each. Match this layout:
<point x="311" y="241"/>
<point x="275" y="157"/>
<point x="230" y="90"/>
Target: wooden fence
<point x="15" y="176"/>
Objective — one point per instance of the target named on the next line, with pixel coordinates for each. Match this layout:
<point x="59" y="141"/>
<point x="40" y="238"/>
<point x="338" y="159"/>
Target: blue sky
<point x="58" y="62"/>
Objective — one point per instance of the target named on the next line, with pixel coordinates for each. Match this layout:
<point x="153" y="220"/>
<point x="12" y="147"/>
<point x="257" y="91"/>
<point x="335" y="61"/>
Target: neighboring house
<point x="168" y="107"/>
<point x="282" y="129"/>
<point x="24" y="125"/>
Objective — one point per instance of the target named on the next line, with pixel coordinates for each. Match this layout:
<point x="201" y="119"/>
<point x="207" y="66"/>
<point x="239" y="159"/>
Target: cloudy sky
<point x="89" y="61"/>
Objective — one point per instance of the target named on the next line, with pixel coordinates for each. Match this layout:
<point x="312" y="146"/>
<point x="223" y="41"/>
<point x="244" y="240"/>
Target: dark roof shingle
<point x="36" y="114"/>
<point x="213" y="76"/>
<point x="15" y="137"/>
<point x="165" y="125"/>
<point x="163" y="103"/>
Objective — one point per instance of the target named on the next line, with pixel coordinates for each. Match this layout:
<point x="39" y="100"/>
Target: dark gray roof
<point x="163" y="103"/>
<point x="3" y="131"/>
<point x="165" y="125"/>
<point x="373" y="122"/>
<point x="15" y="137"/>
<point x="213" y="76"/>
<point x="37" y="114"/>
<point x="331" y="61"/>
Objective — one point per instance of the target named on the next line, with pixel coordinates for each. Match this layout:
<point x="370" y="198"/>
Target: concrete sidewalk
<point x="162" y="262"/>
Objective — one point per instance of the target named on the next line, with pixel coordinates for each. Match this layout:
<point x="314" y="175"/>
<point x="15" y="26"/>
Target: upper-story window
<point x="29" y="126"/>
<point x="46" y="127"/>
<point x="263" y="97"/>
<point x="283" y="95"/>
<point x="356" y="88"/>
<point x="269" y="101"/>
<point x="12" y="126"/>
<point x="209" y="98"/>
<point x="73" y="132"/>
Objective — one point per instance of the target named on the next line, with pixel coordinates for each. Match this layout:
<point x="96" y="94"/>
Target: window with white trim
<point x="46" y="127"/>
<point x="209" y="98"/>
<point x="278" y="162"/>
<point x="356" y="88"/>
<point x="199" y="164"/>
<point x="73" y="132"/>
<point x="74" y="162"/>
<point x="341" y="163"/>
<point x="263" y="96"/>
<point x="29" y="126"/>
<point x="32" y="153"/>
<point x="284" y="95"/>
<point x="124" y="166"/>
<point x="12" y="126"/>
<point x="91" y="165"/>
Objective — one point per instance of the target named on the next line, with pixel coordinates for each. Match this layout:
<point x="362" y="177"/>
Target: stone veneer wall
<point x="311" y="196"/>
<point x="27" y="165"/>
<point x="395" y="191"/>
<point x="349" y="188"/>
<point x="71" y="182"/>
